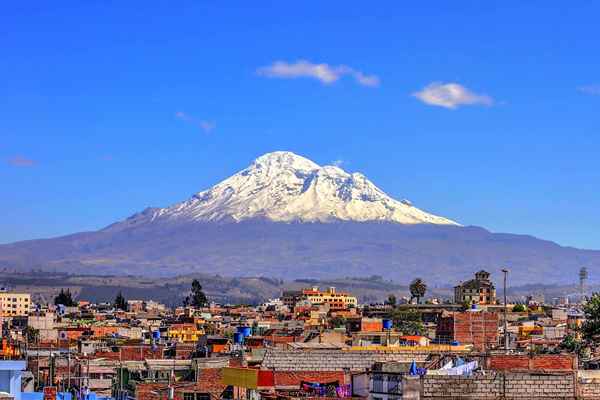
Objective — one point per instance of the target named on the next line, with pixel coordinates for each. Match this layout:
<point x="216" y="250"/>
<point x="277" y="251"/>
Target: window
<point x="395" y="384"/>
<point x="378" y="383"/>
<point x="189" y="396"/>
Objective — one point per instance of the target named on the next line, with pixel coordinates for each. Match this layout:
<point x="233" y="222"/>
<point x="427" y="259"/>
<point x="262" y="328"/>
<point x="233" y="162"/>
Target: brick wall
<point x="589" y="389"/>
<point x="493" y="385"/>
<point x="293" y="378"/>
<point x="477" y="328"/>
<point x="209" y="381"/>
<point x="132" y="353"/>
<point x="513" y="362"/>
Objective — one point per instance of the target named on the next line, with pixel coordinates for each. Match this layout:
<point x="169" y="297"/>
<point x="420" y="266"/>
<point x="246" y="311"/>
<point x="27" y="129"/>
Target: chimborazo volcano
<point x="285" y="216"/>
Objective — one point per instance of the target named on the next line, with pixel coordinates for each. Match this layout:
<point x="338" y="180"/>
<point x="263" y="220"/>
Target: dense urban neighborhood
<point x="308" y="343"/>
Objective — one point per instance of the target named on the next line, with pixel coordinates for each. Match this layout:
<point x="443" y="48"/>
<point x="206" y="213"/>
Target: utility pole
<point x="120" y="370"/>
<point x="505" y="271"/>
<point x="37" y="349"/>
<point x="69" y="368"/>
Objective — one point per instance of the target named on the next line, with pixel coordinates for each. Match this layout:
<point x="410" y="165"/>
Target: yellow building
<point x="14" y="304"/>
<point x="184" y="333"/>
<point x="335" y="300"/>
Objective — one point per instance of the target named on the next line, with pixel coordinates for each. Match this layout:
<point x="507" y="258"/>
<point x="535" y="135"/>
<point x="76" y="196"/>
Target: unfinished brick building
<point x="478" y="328"/>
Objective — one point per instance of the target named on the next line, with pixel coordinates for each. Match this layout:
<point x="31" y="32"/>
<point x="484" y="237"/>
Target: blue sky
<point x="483" y="112"/>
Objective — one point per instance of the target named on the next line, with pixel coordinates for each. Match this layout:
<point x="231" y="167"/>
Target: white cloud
<point x="451" y="95"/>
<point x="20" y="161"/>
<point x="338" y="163"/>
<point x="206" y="126"/>
<point x="590" y="89"/>
<point x="325" y="73"/>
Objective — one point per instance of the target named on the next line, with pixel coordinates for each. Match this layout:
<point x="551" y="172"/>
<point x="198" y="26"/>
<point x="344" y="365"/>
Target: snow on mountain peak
<point x="285" y="187"/>
<point x="283" y="159"/>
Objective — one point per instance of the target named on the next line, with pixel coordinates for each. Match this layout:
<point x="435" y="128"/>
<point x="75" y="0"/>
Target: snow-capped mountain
<point x="366" y="233"/>
<point x="284" y="187"/>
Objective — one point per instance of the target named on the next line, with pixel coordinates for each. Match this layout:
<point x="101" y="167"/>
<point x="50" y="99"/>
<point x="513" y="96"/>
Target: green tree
<point x="519" y="308"/>
<point x="65" y="298"/>
<point x="391" y="300"/>
<point x="338" y="322"/>
<point x="408" y="321"/>
<point x="197" y="298"/>
<point x="590" y="329"/>
<point x="32" y="334"/>
<point x="571" y="344"/>
<point x="120" y="302"/>
<point x="417" y="289"/>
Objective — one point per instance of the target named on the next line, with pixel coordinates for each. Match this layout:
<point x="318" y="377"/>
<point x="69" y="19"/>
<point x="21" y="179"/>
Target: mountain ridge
<point x="222" y="233"/>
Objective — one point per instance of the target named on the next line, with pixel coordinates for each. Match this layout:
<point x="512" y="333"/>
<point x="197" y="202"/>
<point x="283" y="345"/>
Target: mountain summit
<point x="284" y="187"/>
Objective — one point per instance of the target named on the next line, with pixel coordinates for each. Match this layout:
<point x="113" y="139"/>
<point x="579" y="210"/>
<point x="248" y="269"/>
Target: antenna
<point x="583" y="276"/>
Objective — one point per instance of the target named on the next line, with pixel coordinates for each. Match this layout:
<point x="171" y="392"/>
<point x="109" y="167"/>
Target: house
<point x="480" y="290"/>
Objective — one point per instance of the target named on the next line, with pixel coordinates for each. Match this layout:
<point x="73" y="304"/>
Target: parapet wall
<point x="504" y="385"/>
<point x="545" y="362"/>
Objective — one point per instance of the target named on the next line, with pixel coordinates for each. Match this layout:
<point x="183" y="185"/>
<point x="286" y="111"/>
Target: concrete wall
<point x="494" y="385"/>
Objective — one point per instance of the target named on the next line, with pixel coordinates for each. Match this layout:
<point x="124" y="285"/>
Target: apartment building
<point x="336" y="300"/>
<point x="14" y="304"/>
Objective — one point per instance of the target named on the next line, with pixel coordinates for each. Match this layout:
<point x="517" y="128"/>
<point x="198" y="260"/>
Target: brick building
<point x="477" y="328"/>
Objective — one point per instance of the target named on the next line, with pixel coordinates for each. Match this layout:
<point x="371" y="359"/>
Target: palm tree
<point x="417" y="290"/>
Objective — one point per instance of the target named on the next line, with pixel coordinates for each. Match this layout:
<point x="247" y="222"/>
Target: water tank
<point x="156" y="335"/>
<point x="387" y="324"/>
<point x="245" y="330"/>
<point x="238" y="338"/>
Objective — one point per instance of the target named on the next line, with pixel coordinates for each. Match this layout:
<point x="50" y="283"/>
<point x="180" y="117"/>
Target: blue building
<point x="10" y="377"/>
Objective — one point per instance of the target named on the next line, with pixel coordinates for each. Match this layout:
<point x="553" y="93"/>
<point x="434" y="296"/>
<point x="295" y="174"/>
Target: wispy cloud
<point x="325" y="73"/>
<point x="451" y="95"/>
<point x="206" y="126"/>
<point x="20" y="161"/>
<point x="590" y="89"/>
<point x="338" y="163"/>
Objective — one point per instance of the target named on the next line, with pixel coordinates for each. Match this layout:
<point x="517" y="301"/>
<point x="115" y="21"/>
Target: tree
<point x="590" y="329"/>
<point x="32" y="334"/>
<point x="197" y="297"/>
<point x="417" y="289"/>
<point x="408" y="321"/>
<point x="391" y="300"/>
<point x="120" y="302"/>
<point x="338" y="322"/>
<point x="65" y="298"/>
<point x="571" y="344"/>
<point x="519" y="308"/>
